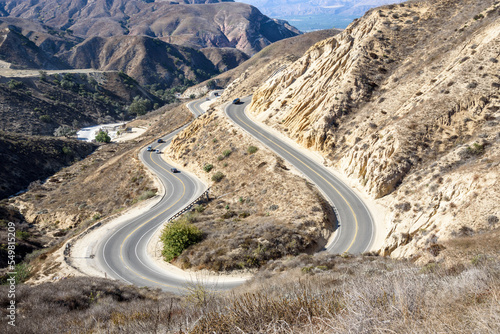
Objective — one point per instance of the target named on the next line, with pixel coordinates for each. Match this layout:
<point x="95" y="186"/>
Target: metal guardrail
<point x="337" y="216"/>
<point x="189" y="206"/>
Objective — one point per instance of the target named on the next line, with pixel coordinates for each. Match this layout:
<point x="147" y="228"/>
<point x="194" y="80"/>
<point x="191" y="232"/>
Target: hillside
<point x="407" y="106"/>
<point x="49" y="40"/>
<point x="225" y="24"/>
<point x="147" y="59"/>
<point x="46" y="156"/>
<point x="14" y="45"/>
<point x="252" y="73"/>
<point x="168" y="45"/>
<point x="40" y="103"/>
<point x="260" y="209"/>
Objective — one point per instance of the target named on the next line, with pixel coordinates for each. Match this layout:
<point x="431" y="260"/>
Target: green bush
<point x="147" y="194"/>
<point x="67" y="150"/>
<point x="208" y="167"/>
<point x="177" y="236"/>
<point x="102" y="137"/>
<point x="475" y="149"/>
<point x="43" y="75"/>
<point x="227" y="153"/>
<point x="45" y="118"/>
<point x="14" y="84"/>
<point x="252" y="149"/>
<point x="22" y="235"/>
<point x="217" y="177"/>
<point x="140" y="106"/>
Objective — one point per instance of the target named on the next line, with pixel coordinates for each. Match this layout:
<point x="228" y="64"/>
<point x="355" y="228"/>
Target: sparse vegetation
<point x="218" y="176"/>
<point x="15" y="84"/>
<point x="147" y="194"/>
<point x="208" y="167"/>
<point x="304" y="294"/>
<point x="475" y="149"/>
<point x="64" y="130"/>
<point x="252" y="149"/>
<point x="45" y="118"/>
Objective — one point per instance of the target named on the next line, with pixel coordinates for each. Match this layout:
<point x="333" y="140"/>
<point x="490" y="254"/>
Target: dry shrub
<point x="364" y="294"/>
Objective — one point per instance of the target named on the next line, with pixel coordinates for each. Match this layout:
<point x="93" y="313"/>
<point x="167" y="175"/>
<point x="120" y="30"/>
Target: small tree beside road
<point x="102" y="137"/>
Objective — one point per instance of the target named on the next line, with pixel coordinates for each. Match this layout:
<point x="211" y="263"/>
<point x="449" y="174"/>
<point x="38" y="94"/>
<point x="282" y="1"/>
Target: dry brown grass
<point x="360" y="295"/>
<point x="305" y="294"/>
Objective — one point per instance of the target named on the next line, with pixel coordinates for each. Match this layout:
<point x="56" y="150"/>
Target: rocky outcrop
<point x="399" y="100"/>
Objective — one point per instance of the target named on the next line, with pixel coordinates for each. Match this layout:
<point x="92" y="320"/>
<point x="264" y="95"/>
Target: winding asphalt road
<point x="122" y="253"/>
<point x="355" y="230"/>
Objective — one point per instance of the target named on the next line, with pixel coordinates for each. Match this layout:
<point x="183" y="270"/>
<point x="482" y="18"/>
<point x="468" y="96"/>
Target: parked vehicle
<point x="236" y="101"/>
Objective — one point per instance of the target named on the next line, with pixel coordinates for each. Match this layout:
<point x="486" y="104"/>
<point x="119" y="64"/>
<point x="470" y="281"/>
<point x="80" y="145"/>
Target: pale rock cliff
<point x="405" y="97"/>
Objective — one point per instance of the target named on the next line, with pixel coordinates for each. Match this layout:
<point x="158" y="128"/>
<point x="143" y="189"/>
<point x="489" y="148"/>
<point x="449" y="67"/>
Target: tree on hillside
<point x="139" y="106"/>
<point x="102" y="137"/>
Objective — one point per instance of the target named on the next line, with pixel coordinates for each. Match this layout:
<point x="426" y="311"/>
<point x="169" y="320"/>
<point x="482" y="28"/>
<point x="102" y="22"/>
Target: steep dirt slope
<point x="19" y="52"/>
<point x="225" y="24"/>
<point x="225" y="58"/>
<point x="41" y="104"/>
<point x="49" y="39"/>
<point x="45" y="155"/>
<point x="407" y="103"/>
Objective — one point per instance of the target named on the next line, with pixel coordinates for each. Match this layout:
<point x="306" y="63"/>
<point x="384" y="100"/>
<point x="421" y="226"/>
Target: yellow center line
<point x="331" y="185"/>
<point x="138" y="227"/>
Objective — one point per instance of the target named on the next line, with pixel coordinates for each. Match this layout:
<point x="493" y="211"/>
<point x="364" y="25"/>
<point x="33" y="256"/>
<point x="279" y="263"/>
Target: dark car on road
<point x="160" y="140"/>
<point x="236" y="101"/>
<point x="174" y="170"/>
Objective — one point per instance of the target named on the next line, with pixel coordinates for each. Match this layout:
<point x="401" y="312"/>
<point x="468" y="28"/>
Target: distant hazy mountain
<point x="280" y="8"/>
<point x="193" y="23"/>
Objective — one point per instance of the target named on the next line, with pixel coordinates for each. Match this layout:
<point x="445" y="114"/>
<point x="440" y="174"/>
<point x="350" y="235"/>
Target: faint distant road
<point x="12" y="73"/>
